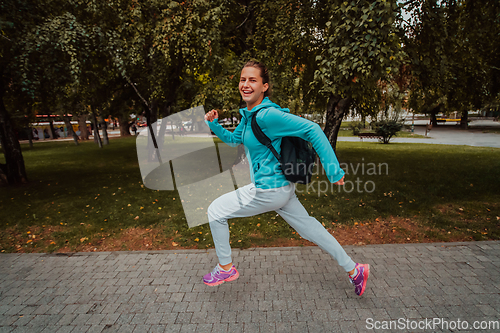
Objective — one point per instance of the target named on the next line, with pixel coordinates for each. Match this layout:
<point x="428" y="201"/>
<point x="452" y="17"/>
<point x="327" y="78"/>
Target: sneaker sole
<point x="229" y="279"/>
<point x="366" y="273"/>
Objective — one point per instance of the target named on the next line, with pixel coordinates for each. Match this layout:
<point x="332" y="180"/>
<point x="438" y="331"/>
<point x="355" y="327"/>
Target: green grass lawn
<point x="81" y="195"/>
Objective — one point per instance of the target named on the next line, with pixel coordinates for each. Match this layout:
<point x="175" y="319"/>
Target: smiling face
<point x="251" y="87"/>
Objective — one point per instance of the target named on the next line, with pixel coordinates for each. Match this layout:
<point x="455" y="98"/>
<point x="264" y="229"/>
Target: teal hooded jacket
<point x="276" y="123"/>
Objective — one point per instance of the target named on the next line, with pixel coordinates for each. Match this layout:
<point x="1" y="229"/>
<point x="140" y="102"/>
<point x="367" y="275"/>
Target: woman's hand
<point x="211" y="115"/>
<point x="340" y="182"/>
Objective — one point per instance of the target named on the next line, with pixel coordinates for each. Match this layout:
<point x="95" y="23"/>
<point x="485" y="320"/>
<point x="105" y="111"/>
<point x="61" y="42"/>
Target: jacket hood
<point x="266" y="103"/>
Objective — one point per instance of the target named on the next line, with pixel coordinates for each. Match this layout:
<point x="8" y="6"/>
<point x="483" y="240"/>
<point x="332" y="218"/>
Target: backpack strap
<point x="263" y="139"/>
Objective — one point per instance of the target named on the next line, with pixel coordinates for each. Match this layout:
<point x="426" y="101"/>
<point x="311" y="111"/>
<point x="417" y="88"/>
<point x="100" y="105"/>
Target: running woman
<point x="269" y="189"/>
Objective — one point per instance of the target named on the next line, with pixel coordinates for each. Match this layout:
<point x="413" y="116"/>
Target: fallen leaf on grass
<point x="174" y="244"/>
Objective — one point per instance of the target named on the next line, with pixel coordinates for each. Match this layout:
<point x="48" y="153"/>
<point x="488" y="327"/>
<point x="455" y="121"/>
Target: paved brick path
<point x="280" y="290"/>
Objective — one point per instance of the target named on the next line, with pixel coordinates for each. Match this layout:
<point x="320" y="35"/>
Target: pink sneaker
<point x="219" y="276"/>
<point x="359" y="281"/>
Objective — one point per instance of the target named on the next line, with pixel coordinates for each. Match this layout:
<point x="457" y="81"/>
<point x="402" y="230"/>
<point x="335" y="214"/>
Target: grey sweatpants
<point x="249" y="201"/>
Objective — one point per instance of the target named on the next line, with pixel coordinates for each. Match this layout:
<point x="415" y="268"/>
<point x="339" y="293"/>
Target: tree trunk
<point x="82" y="123"/>
<point x="433" y="119"/>
<point x="13" y="171"/>
<point x="70" y="129"/>
<point x="464" y="120"/>
<point x="151" y="117"/>
<point x="97" y="137"/>
<point x="336" y="108"/>
<point x="163" y="127"/>
<point x="433" y="113"/>
<point x="154" y="109"/>
<point x="124" y="125"/>
<point x="52" y="132"/>
<point x="104" y="127"/>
